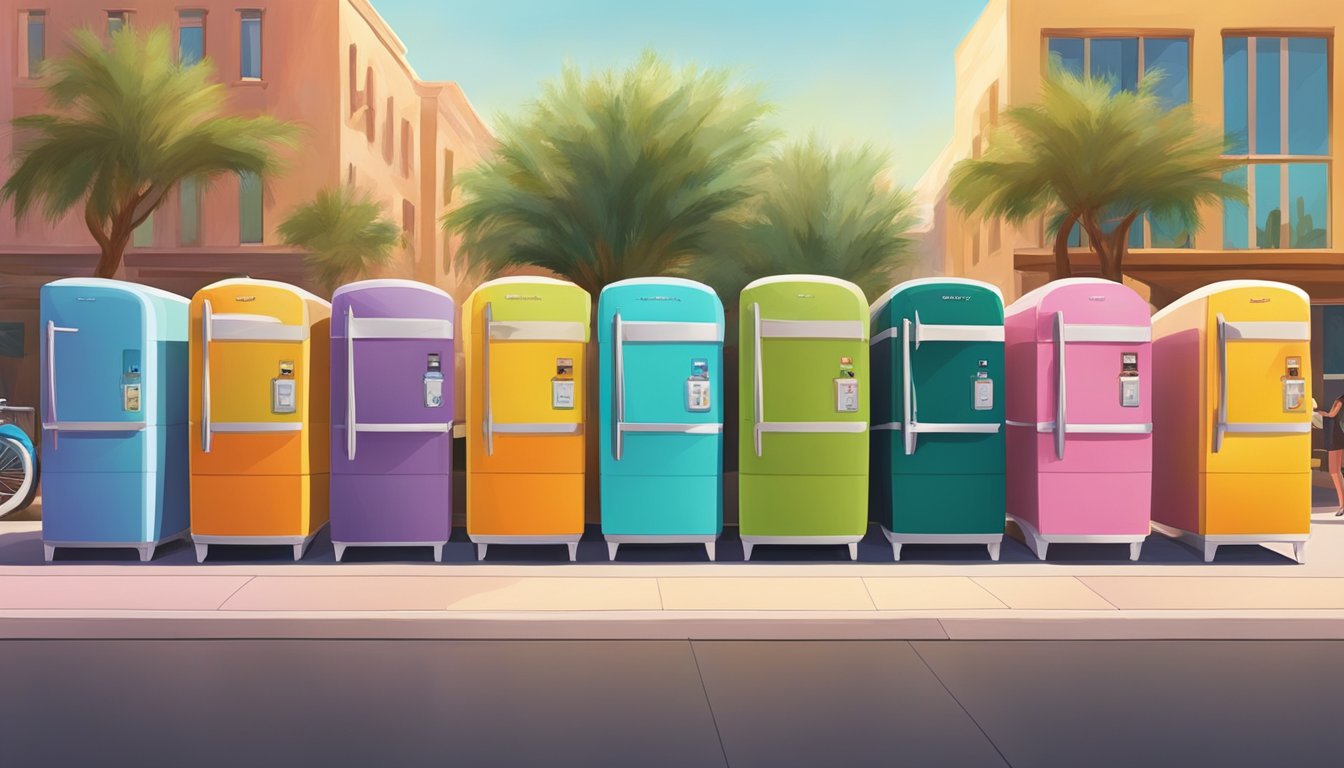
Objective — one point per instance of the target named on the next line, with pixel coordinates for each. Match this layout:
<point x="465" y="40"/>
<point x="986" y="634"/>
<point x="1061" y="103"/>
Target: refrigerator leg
<point x="1300" y="552"/>
<point x="298" y="552"/>
<point x="854" y="551"/>
<point x="573" y="550"/>
<point x="1210" y="550"/>
<point x="146" y="553"/>
<point x="480" y="551"/>
<point x="994" y="551"/>
<point x="340" y="551"/>
<point x="896" y="550"/>
<point x="746" y="551"/>
<point x="1134" y="549"/>
<point x="201" y="551"/>
<point x="709" y="550"/>
<point x="48" y="552"/>
<point x="438" y="553"/>
<point x="612" y="546"/>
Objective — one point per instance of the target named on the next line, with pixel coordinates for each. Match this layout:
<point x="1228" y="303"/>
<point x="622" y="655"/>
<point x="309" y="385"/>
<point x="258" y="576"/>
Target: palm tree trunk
<point x="1063" y="268"/>
<point x="110" y="260"/>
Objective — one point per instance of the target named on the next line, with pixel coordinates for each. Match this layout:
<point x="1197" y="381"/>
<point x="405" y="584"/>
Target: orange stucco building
<point x="332" y="66"/>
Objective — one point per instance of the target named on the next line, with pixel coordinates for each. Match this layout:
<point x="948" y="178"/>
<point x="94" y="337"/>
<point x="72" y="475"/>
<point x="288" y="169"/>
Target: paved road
<point x="683" y="704"/>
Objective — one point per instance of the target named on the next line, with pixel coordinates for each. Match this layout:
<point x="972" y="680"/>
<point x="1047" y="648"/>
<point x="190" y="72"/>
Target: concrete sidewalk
<point x="816" y="593"/>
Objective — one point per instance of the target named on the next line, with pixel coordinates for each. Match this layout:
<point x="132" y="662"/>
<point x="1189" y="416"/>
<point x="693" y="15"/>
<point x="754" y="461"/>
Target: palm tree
<point x="345" y="234"/>
<point x="1091" y="156"/>
<point x="131" y="122"/>
<point x="823" y="213"/>
<point x="615" y="175"/>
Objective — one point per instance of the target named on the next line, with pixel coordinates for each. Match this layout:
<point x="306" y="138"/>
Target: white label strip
<point x="1268" y="331"/>
<point x="399" y="328"/>
<point x="254" y="328"/>
<point x="955" y="429"/>
<point x="1124" y="334"/>
<point x="421" y="428"/>
<point x="538" y="330"/>
<point x="925" y="333"/>
<point x="95" y="426"/>
<point x="1265" y="429"/>
<point x="680" y="429"/>
<point x="535" y="429"/>
<point x="256" y="426"/>
<point x="814" y="329"/>
<point x="635" y="330"/>
<point x="838" y="427"/>
<point x="1086" y="429"/>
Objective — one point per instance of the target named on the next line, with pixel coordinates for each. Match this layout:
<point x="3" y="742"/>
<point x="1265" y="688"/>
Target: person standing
<point x="1332" y="425"/>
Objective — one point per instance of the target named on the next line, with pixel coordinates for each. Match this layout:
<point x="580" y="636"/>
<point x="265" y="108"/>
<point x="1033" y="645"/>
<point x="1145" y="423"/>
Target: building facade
<point x="1266" y="74"/>
<point x="334" y="67"/>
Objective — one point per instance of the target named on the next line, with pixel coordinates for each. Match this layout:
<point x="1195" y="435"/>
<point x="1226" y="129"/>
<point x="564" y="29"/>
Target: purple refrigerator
<point x="391" y="415"/>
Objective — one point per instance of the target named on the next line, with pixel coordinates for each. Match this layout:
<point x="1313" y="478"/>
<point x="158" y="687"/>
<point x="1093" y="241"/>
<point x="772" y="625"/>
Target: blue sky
<point x="854" y="71"/>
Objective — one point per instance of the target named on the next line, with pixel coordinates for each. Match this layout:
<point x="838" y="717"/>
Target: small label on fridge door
<point x="983" y="394"/>
<point x="433" y="390"/>
<point x="697" y="395"/>
<point x="562" y="394"/>
<point x="846" y="395"/>
<point x="284" y="398"/>
<point x="130" y="398"/>
<point x="1129" y="391"/>
<point x="1294" y="394"/>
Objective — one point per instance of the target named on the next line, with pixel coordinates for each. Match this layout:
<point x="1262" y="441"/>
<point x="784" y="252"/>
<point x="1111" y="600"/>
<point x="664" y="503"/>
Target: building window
<point x="36" y="23"/>
<point x="190" y="36"/>
<point x="1123" y="61"/>
<point x="407" y="139"/>
<point x="249" y="52"/>
<point x="143" y="236"/>
<point x="389" y="140"/>
<point x="117" y="21"/>
<point x="408" y="224"/>
<point x="1276" y="107"/>
<point x="189" y="211"/>
<point x="249" y="208"/>
<point x="11" y="339"/>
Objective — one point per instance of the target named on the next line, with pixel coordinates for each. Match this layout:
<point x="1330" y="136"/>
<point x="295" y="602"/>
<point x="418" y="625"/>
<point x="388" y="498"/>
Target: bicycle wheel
<point x="18" y="476"/>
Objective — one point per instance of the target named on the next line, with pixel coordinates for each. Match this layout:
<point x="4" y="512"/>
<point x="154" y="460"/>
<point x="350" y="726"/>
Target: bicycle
<point x="19" y="464"/>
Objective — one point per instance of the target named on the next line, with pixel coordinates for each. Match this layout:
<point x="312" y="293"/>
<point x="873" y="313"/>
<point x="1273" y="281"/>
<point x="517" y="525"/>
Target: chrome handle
<point x="907" y="389"/>
<point x="350" y="422"/>
<point x="619" y="384"/>
<point x="52" y="330"/>
<point x="1060" y="395"/>
<point x="207" y="319"/>
<point x="759" y="375"/>
<point x="1221" y="414"/>
<point x="488" y="419"/>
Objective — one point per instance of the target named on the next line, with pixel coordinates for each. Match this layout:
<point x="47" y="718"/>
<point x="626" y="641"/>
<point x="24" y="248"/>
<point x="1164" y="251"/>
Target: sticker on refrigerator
<point x="697" y="387"/>
<point x="433" y="382"/>
<point x="1129" y="380"/>
<point x="284" y="390"/>
<point x="562" y="385"/>
<point x="982" y="392"/>
<point x="1294" y="387"/>
<point x="130" y="380"/>
<point x="846" y="395"/>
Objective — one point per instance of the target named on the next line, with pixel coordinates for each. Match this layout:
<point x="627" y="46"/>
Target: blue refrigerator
<point x="661" y="412"/>
<point x="114" y="416"/>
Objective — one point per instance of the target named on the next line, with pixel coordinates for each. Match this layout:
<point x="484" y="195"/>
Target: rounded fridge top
<point x="827" y="279"/>
<point x="389" y="282"/>
<point x="827" y="309"/>
<point x="679" y="281"/>
<point x="273" y="284"/>
<point x="119" y="285"/>
<point x="391" y="299"/>
<point x="1213" y="289"/>
<point x="658" y="300"/>
<point x="1092" y="287"/>
<point x="885" y="299"/>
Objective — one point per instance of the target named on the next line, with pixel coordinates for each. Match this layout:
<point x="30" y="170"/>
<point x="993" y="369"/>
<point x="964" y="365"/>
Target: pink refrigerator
<point x="1079" y="414"/>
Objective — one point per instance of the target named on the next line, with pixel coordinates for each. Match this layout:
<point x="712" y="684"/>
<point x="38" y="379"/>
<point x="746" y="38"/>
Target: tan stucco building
<point x="333" y="66"/>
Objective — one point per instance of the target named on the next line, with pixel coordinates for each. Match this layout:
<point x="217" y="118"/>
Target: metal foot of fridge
<point x="937" y="435"/>
<point x="260" y="415"/>
<point x="527" y="340"/>
<point x="391" y="415"/>
<point x="1079" y="415"/>
<point x="803" y="398"/>
<point x="1232" y="461"/>
<point x="114" y="416"/>
<point x="661" y="358"/>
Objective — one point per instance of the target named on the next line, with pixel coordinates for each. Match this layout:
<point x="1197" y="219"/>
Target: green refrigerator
<point x="803" y="411"/>
<point x="938" y="435"/>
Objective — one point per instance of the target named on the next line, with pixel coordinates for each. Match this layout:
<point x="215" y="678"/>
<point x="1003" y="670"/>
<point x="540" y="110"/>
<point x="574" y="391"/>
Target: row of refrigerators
<point x="257" y="412"/>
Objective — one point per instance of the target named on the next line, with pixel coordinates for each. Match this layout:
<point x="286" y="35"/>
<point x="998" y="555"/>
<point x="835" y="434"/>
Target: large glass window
<point x="36" y="22"/>
<point x="143" y="236"/>
<point x="1123" y="60"/>
<point x="1276" y="105"/>
<point x="189" y="211"/>
<point x="250" y="51"/>
<point x="250" y="228"/>
<point x="117" y="21"/>
<point x="190" y="36"/>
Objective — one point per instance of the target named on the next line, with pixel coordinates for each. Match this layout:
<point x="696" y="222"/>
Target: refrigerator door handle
<point x="52" y="330"/>
<point x="351" y="424"/>
<point x="1060" y="395"/>
<point x="1220" y="416"/>
<point x="207" y="313"/>
<point x="487" y="423"/>
<point x="908" y="432"/>
<point x="619" y="384"/>
<point x="758" y="373"/>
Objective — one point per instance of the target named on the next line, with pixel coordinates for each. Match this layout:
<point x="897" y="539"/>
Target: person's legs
<point x="1336" y="464"/>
